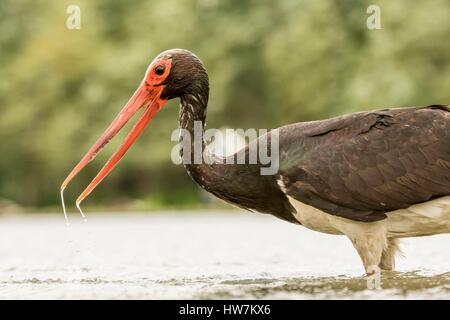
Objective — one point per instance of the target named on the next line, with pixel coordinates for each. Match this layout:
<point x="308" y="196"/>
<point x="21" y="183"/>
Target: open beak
<point x="145" y="96"/>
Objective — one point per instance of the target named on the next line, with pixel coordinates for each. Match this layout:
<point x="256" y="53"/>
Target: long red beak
<point x="143" y="96"/>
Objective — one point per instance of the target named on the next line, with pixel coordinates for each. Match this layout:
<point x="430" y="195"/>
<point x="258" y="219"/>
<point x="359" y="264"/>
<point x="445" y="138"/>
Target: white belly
<point x="428" y="218"/>
<point x="432" y="217"/>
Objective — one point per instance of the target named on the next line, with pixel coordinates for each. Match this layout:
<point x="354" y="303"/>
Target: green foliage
<point x="270" y="63"/>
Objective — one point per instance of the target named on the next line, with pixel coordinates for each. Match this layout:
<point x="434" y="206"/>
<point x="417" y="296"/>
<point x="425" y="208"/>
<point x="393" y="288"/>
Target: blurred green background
<point x="270" y="63"/>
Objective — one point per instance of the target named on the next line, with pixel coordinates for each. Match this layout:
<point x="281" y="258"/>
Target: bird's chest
<point x="315" y="219"/>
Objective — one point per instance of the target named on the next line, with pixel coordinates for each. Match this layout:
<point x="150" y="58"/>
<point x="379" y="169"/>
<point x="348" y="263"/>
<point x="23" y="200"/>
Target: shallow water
<point x="199" y="255"/>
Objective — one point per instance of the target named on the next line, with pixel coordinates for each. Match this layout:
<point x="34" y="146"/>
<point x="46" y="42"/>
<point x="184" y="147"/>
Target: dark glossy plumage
<point x="361" y="165"/>
<point x="356" y="166"/>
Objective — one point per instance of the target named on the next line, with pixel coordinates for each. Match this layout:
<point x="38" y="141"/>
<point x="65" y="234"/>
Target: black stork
<point x="373" y="176"/>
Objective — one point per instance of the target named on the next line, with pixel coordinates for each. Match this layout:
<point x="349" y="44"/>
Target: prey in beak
<point x="147" y="97"/>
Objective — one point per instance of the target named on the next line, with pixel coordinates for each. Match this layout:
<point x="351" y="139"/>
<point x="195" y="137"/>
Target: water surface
<point x="201" y="255"/>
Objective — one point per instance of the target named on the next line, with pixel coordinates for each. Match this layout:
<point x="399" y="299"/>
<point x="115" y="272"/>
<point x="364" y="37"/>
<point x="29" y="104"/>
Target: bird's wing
<point x="363" y="165"/>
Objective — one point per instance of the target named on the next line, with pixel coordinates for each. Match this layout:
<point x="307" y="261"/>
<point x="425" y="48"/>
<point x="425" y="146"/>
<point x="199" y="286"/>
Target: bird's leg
<point x="388" y="256"/>
<point x="369" y="239"/>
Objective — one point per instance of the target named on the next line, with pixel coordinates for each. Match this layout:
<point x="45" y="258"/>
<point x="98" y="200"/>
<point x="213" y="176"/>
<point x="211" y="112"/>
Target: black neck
<point x="192" y="121"/>
<point x="193" y="108"/>
<point x="242" y="185"/>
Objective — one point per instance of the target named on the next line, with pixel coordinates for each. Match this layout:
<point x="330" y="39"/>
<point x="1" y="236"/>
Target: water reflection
<point x="202" y="256"/>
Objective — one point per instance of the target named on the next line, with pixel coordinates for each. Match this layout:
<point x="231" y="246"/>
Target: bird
<point x="372" y="176"/>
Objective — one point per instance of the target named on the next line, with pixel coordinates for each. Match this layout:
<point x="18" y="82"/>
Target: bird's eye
<point x="159" y="70"/>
